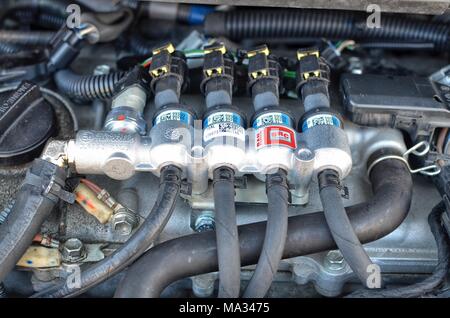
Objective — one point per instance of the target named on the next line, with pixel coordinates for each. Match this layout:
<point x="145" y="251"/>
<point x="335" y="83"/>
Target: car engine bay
<point x="224" y="149"/>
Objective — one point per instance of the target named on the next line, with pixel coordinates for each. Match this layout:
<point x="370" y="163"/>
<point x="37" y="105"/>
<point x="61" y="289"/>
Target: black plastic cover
<point x="26" y="122"/>
<point x="403" y="102"/>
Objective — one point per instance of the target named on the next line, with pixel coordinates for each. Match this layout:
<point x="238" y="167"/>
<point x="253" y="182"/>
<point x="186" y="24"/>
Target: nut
<point x="73" y="250"/>
<point x="124" y="221"/>
<point x="334" y="261"/>
<point x="205" y="222"/>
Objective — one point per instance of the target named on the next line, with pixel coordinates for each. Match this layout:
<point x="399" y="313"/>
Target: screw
<point x="102" y="69"/>
<point x="73" y="250"/>
<point x="334" y="261"/>
<point x="124" y="221"/>
<point x="205" y="222"/>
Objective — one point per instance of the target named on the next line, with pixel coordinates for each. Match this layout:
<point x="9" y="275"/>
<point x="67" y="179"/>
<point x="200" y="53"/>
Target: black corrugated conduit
<point x="87" y="87"/>
<point x="298" y="23"/>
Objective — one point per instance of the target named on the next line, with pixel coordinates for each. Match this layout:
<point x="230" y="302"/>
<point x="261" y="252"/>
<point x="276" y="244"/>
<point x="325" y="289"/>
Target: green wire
<point x="289" y="74"/>
<point x="188" y="53"/>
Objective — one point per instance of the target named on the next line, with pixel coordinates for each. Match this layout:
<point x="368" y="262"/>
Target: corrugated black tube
<point x="285" y="23"/>
<point x="29" y="38"/>
<point x="87" y="87"/>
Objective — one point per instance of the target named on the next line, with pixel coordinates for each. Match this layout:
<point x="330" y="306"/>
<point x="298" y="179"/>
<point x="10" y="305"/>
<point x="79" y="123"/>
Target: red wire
<point x="91" y="185"/>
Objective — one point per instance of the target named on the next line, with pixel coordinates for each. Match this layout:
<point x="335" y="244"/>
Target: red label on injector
<point x="275" y="136"/>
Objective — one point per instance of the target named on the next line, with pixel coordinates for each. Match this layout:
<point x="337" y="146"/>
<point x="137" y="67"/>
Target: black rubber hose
<point x="439" y="274"/>
<point x="275" y="237"/>
<point x="155" y="222"/>
<point x="226" y="233"/>
<point x="32" y="206"/>
<point x="140" y="45"/>
<point x="29" y="38"/>
<point x="340" y="226"/>
<point x="289" y="23"/>
<point x="309" y="233"/>
<point x="87" y="87"/>
<point x="9" y="48"/>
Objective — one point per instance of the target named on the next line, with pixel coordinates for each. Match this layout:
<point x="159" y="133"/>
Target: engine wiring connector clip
<point x="214" y="63"/>
<point x="309" y="63"/>
<point x="161" y="60"/>
<point x="258" y="62"/>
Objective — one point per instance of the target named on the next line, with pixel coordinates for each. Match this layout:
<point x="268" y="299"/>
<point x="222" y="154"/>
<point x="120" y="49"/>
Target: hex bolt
<point x="203" y="285"/>
<point x="334" y="261"/>
<point x="73" y="250"/>
<point x="124" y="221"/>
<point x="102" y="69"/>
<point x="205" y="222"/>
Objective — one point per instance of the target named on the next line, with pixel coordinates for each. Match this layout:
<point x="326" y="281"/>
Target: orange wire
<point x="91" y="185"/>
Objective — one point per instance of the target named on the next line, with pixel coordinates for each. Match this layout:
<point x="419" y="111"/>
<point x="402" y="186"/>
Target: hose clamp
<point x="420" y="149"/>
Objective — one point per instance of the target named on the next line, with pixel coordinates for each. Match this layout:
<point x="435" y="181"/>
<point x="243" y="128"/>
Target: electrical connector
<point x="161" y="60"/>
<point x="214" y="63"/>
<point x="258" y="64"/>
<point x="309" y="63"/>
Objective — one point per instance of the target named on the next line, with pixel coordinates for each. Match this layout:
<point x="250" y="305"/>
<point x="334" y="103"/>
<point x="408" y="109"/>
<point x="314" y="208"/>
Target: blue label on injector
<point x="273" y="118"/>
<point x="223" y="124"/>
<point x="174" y="114"/>
<point x="223" y="117"/>
<point x="320" y="119"/>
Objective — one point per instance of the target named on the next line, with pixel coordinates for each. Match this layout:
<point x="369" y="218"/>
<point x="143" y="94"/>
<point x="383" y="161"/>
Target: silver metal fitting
<point x="56" y="152"/>
<point x="124" y="221"/>
<point x="73" y="250"/>
<point x="205" y="222"/>
<point x="125" y="120"/>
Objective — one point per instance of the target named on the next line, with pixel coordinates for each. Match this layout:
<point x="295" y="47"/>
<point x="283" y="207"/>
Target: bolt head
<point x="73" y="250"/>
<point x="334" y="261"/>
<point x="124" y="222"/>
<point x="204" y="222"/>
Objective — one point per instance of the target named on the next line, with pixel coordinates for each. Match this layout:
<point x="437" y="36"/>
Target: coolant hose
<point x="155" y="222"/>
<point x="439" y="274"/>
<point x="275" y="237"/>
<point x="340" y="226"/>
<point x="226" y="233"/>
<point x="309" y="233"/>
<point x="292" y="23"/>
<point x="87" y="87"/>
<point x="34" y="202"/>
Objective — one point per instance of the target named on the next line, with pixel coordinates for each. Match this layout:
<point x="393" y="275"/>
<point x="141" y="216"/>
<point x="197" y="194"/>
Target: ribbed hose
<point x="155" y="222"/>
<point x="275" y="237"/>
<point x="9" y="48"/>
<point x="439" y="274"/>
<point x="140" y="45"/>
<point x="29" y="38"/>
<point x="43" y="19"/>
<point x="341" y="228"/>
<point x="288" y="23"/>
<point x="87" y="87"/>
<point x="307" y="234"/>
<point x="226" y="233"/>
